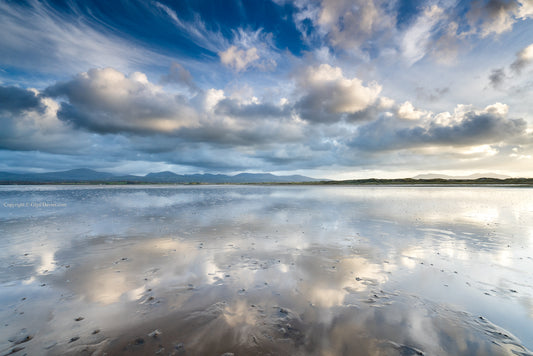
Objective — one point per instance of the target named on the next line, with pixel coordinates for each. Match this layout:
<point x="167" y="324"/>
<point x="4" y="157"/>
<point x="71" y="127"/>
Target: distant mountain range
<point x="472" y="176"/>
<point x="88" y="175"/>
<point x="84" y="175"/>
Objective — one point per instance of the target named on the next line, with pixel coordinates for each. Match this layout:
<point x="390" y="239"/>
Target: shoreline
<point x="482" y="182"/>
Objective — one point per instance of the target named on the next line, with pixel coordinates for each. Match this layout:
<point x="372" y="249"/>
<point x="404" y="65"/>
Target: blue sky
<point x="331" y="88"/>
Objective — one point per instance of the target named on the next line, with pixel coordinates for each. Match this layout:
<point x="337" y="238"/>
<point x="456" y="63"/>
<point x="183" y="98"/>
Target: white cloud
<point x="444" y="49"/>
<point x="195" y="30"/>
<point x="525" y="10"/>
<point x="250" y="49"/>
<point x="408" y="112"/>
<point x="36" y="37"/>
<point x="212" y="97"/>
<point x="415" y="41"/>
<point x="238" y="59"/>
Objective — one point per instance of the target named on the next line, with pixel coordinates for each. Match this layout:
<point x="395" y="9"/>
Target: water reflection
<point x="269" y="270"/>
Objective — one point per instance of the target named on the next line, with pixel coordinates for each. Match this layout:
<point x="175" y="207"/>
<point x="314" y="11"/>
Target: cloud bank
<point x="109" y="110"/>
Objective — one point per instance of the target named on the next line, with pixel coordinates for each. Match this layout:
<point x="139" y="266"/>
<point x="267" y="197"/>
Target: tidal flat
<point x="266" y="270"/>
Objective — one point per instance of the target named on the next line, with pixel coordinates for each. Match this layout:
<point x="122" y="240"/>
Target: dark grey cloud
<point x="431" y="94"/>
<point x="474" y="128"/>
<point x="312" y="107"/>
<point x="523" y="59"/>
<point x="28" y="122"/>
<point x="179" y="75"/>
<point x="15" y="100"/>
<point x="497" y="77"/>
<point x="247" y="133"/>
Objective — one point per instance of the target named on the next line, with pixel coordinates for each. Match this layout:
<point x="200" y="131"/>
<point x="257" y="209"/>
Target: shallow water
<point x="281" y="270"/>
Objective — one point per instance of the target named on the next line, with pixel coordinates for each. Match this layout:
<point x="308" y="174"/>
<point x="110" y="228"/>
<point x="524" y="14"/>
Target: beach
<point x="266" y="270"/>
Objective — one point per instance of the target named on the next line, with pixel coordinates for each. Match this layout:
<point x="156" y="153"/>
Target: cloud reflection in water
<point x="285" y="270"/>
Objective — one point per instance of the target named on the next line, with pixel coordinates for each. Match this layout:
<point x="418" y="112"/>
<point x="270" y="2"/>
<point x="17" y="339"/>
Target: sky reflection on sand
<point x="281" y="270"/>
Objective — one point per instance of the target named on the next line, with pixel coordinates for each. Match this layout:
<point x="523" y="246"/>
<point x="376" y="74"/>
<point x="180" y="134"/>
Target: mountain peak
<point x="162" y="174"/>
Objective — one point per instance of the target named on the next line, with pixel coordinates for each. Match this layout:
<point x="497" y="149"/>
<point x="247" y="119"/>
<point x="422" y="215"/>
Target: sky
<point x="333" y="89"/>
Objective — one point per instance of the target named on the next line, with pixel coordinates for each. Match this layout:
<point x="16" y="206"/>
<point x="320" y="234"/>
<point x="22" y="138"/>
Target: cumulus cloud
<point x="497" y="16"/>
<point x="523" y="59"/>
<point x="107" y="101"/>
<point x="238" y="59"/>
<point x="465" y="127"/>
<point x="329" y="96"/>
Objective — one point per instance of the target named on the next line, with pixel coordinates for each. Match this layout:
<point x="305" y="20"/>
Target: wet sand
<point x="267" y="270"/>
